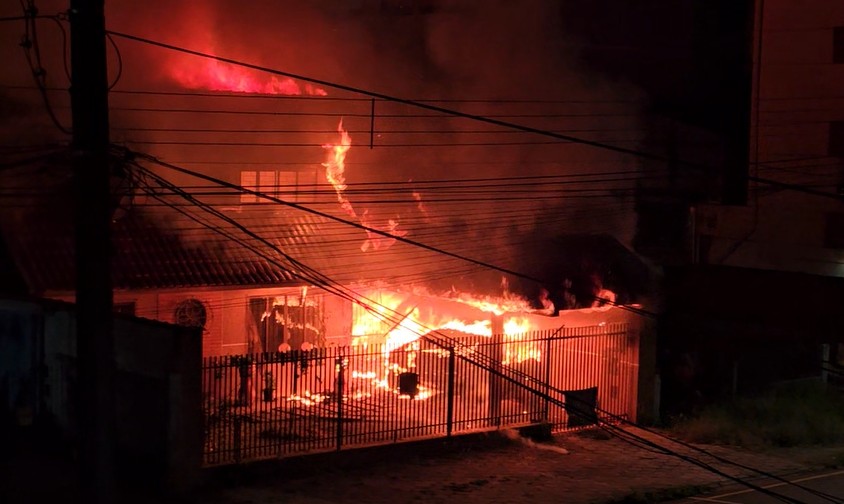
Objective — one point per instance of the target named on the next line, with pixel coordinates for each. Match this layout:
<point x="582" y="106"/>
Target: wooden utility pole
<point x="95" y="340"/>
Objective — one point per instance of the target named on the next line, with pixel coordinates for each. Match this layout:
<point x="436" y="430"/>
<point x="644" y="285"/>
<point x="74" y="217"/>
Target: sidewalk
<point x="588" y="467"/>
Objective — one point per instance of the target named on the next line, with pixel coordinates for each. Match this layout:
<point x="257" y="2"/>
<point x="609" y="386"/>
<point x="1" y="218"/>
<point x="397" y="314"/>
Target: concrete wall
<point x="158" y="406"/>
<point x="20" y="333"/>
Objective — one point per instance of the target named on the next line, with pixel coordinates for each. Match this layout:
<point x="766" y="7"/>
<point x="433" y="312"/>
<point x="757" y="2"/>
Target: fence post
<point x="450" y="405"/>
<point x="339" y="367"/>
<point x="238" y="442"/>
<point x="546" y="414"/>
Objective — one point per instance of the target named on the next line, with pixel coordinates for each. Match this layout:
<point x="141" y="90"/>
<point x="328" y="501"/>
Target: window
<point x="838" y="44"/>
<point x="286" y="322"/>
<point x="293" y="186"/>
<point x="836" y="139"/>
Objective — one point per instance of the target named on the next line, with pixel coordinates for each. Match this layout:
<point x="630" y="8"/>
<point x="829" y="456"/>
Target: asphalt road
<point x="830" y="483"/>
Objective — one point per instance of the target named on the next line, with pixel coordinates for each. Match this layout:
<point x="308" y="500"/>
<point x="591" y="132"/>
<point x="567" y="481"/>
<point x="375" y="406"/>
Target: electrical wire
<point x="31" y="48"/>
<point x="119" y="61"/>
<point x="456" y="113"/>
<point x="520" y="381"/>
<point x="368" y="229"/>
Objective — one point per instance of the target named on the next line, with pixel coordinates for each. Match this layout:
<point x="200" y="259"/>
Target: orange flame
<point x="516" y="350"/>
<point x="335" y="167"/>
<point x="194" y="72"/>
<point x="391" y="319"/>
<point x="400" y="319"/>
<point x="219" y="76"/>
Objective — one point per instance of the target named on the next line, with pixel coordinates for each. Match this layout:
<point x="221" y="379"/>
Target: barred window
<point x="293" y="186"/>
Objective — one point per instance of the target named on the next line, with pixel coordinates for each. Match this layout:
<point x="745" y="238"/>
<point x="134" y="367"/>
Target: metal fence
<point x="271" y="405"/>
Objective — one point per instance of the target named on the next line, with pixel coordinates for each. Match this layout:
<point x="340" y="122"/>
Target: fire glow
<point x="399" y="319"/>
<point x="402" y="318"/>
<point x="215" y="75"/>
<point x="209" y="73"/>
<point x="335" y="169"/>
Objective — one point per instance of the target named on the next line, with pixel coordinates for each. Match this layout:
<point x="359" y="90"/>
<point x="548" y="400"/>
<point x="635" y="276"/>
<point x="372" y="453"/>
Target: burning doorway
<point x="287" y="322"/>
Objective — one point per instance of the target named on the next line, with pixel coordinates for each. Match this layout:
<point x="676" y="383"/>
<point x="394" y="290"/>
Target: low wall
<point x="158" y="388"/>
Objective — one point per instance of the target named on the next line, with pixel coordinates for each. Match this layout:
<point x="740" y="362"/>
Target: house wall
<point x="227" y="330"/>
<point x="798" y="99"/>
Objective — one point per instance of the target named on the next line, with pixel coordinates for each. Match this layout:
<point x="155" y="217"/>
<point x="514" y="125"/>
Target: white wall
<point x="226" y="330"/>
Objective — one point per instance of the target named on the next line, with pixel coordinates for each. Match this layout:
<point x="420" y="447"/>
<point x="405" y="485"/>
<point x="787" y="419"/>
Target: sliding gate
<point x="271" y="405"/>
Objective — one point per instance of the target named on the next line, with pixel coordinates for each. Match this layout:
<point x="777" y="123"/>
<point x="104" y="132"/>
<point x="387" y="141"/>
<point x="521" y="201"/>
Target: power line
<point x="284" y="145"/>
<point x="522" y="380"/>
<point x="457" y="113"/>
<point x="368" y="229"/>
<point x="281" y="97"/>
<point x="367" y="115"/>
<point x="32" y="52"/>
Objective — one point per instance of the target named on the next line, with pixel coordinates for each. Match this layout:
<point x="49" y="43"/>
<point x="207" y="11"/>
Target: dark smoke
<point x="494" y="51"/>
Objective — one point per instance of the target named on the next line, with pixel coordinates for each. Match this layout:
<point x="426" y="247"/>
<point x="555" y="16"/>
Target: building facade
<point x="796" y="139"/>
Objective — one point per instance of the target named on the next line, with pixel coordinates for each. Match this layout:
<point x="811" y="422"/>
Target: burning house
<point x="336" y="249"/>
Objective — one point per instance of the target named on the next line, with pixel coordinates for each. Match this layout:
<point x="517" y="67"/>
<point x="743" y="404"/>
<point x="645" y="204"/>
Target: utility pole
<point x="95" y="340"/>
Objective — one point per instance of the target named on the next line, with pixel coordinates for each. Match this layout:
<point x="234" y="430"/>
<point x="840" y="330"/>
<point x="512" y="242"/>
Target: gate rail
<point x="271" y="405"/>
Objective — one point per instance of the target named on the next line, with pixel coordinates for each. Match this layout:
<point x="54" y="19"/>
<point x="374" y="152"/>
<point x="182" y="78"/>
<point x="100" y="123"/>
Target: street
<point x="830" y="483"/>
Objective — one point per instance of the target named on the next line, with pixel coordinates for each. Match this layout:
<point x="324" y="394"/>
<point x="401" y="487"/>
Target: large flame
<point x="215" y="75"/>
<point x="335" y="167"/>
<point x="335" y="173"/>
<point x="400" y="319"/>
<point x="193" y="72"/>
<point x="397" y="319"/>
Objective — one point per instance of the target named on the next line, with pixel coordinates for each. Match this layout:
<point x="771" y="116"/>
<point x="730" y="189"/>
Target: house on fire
<point x="258" y="278"/>
<point x="265" y="279"/>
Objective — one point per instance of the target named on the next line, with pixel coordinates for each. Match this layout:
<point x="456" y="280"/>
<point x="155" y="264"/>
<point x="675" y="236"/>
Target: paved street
<point x="582" y="468"/>
<point x="830" y="483"/>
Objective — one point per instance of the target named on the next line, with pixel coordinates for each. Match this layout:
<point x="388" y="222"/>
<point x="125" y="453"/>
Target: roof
<point x="144" y="256"/>
<point x="177" y="245"/>
<point x="154" y="246"/>
<point x="171" y="243"/>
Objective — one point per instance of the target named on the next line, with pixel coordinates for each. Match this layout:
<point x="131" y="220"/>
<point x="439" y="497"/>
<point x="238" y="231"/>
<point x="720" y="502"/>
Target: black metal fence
<point x="271" y="405"/>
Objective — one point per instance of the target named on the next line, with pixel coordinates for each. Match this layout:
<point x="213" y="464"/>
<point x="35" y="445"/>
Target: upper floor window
<point x="838" y="44"/>
<point x="293" y="186"/>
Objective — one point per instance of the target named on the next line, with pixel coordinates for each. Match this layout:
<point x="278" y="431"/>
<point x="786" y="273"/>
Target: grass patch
<point x="796" y="414"/>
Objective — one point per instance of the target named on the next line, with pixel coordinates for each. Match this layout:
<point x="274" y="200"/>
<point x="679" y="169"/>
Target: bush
<point x="795" y="414"/>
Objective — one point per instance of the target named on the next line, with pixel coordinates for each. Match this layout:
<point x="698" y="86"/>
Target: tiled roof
<point x="144" y="256"/>
<point x="156" y="246"/>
